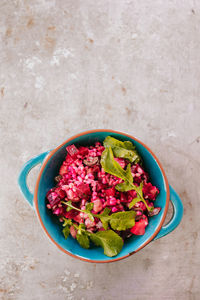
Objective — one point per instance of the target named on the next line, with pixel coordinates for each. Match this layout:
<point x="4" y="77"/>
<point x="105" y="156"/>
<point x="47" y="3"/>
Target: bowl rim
<point x="60" y="146"/>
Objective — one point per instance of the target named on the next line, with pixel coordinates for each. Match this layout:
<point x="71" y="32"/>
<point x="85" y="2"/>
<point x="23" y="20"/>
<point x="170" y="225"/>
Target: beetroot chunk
<point x="63" y="170"/>
<point x="150" y="191"/>
<point x="70" y="214"/>
<point x="60" y="192"/>
<point x="83" y="190"/>
<point x="110" y="192"/>
<point x="72" y="150"/>
<point x="53" y="198"/>
<point x="83" y="151"/>
<point x="154" y="212"/>
<point x="139" y="227"/>
<point x="73" y="231"/>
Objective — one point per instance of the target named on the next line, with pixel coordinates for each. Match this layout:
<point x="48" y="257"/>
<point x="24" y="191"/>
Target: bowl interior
<point x="54" y="227"/>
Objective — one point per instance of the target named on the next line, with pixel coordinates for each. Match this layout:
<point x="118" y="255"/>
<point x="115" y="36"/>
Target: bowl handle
<point x="22" y="179"/>
<point x="177" y="215"/>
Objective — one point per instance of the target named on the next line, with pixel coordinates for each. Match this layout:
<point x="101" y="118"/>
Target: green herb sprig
<point x="109" y="240"/>
<point x="110" y="166"/>
<point x="118" y="221"/>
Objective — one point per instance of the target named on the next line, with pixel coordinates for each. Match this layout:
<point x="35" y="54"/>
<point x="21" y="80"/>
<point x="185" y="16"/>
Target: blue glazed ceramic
<point x="51" y="161"/>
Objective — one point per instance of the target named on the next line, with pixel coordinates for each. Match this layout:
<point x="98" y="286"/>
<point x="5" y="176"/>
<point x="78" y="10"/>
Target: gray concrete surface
<point x="67" y="66"/>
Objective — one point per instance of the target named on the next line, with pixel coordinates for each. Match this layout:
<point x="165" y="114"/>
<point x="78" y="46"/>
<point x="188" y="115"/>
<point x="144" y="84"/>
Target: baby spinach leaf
<point x="66" y="231"/>
<point x="110" y="241"/>
<point x="139" y="197"/>
<point x="104" y="221"/>
<point x="83" y="240"/>
<point x="122" y="220"/>
<point x="138" y="189"/>
<point x="124" y="187"/>
<point x="122" y="149"/>
<point x="89" y="207"/>
<point x="118" y="221"/>
<point x="82" y="236"/>
<point x="104" y="217"/>
<point x="129" y="176"/>
<point x="134" y="201"/>
<point x="127" y="185"/>
<point x="106" y="211"/>
<point x="110" y="166"/>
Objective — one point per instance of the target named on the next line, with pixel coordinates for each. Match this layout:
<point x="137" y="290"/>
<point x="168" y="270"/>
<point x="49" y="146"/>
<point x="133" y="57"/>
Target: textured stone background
<point x="67" y="66"/>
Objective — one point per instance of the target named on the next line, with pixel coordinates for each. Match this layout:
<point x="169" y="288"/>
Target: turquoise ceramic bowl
<point x="51" y="161"/>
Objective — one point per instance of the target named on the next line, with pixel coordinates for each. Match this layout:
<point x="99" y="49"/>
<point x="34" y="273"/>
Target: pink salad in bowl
<point x="102" y="194"/>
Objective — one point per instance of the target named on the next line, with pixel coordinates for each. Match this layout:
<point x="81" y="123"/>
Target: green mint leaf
<point x="122" y="220"/>
<point x="122" y="149"/>
<point x="83" y="240"/>
<point x="66" y="231"/>
<point x="110" y="241"/>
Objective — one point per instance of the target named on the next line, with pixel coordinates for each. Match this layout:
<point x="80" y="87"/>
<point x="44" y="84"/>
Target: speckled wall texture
<point x="67" y="66"/>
